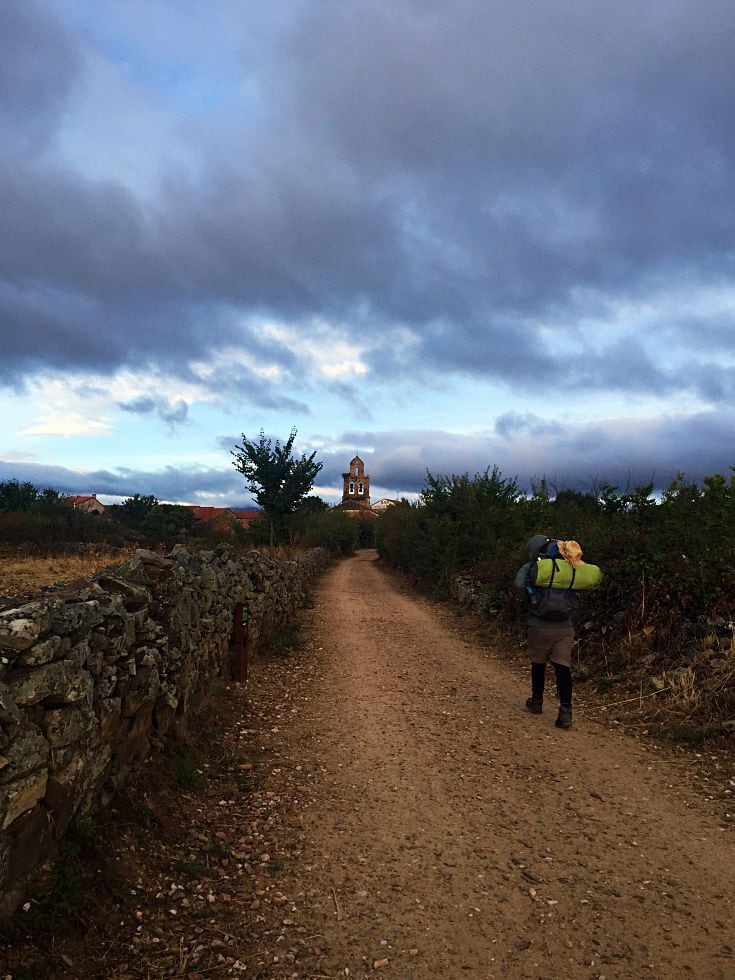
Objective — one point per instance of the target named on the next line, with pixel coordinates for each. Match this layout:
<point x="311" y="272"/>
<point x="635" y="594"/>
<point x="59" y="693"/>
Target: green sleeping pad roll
<point x="558" y="574"/>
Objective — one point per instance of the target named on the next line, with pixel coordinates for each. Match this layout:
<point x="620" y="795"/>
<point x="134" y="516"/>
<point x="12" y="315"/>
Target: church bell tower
<point x="356" y="489"/>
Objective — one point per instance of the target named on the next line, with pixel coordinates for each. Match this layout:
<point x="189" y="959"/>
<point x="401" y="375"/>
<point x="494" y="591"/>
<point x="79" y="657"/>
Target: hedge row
<point x="668" y="557"/>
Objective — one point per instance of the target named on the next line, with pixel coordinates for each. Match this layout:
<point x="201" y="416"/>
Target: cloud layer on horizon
<point x="524" y="448"/>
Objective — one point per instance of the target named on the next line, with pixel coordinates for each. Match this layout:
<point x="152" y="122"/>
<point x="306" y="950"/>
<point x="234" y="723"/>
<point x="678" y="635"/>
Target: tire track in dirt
<point x="451" y="834"/>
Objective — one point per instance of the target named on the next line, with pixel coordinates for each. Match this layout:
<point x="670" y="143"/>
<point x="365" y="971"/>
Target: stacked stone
<point x="467" y="592"/>
<point x="92" y="678"/>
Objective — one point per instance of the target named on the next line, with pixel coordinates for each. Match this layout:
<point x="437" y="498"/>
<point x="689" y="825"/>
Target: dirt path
<point x="447" y="833"/>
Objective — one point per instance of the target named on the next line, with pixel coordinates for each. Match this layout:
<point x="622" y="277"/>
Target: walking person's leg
<point x="538" y="653"/>
<point x="561" y="657"/>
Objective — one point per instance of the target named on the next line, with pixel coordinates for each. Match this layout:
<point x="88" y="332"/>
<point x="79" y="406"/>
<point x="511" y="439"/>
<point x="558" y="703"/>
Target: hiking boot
<point x="565" y="718"/>
<point x="535" y="705"/>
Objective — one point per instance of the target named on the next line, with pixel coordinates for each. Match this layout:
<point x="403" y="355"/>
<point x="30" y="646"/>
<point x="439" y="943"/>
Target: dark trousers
<point x="563" y="683"/>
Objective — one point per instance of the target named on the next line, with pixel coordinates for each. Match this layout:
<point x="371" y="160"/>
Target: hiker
<point x="549" y="627"/>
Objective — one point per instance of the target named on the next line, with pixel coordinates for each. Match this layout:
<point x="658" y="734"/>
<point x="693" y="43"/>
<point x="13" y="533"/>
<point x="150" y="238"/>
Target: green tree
<point x="464" y="520"/>
<point x="16" y="497"/>
<point x="135" y="509"/>
<point x="276" y="478"/>
<point x="166" y="523"/>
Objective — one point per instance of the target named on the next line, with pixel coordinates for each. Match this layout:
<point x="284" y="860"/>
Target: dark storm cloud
<point x="512" y="423"/>
<point x="517" y="154"/>
<point x="553" y="111"/>
<point x="173" y="413"/>
<point x="39" y="61"/>
<point x="479" y="175"/>
<point x="713" y="382"/>
<point x="140" y="406"/>
<point x="176" y="413"/>
<point x="89" y="239"/>
<point x="624" y="366"/>
<point x="176" y="484"/>
<point x="528" y="449"/>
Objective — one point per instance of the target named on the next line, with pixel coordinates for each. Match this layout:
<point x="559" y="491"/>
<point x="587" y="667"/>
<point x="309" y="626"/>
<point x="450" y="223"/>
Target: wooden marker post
<point x="239" y="643"/>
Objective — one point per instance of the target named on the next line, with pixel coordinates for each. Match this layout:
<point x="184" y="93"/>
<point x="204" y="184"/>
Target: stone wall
<point x="93" y="677"/>
<point x="467" y="592"/>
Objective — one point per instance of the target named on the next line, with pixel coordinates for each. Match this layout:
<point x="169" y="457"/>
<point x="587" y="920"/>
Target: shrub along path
<point x="378" y="802"/>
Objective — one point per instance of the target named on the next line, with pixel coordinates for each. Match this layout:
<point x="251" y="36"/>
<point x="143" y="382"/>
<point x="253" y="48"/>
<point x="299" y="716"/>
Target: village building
<point x="382" y="505"/>
<point x="223" y="518"/>
<point x="246" y="517"/>
<point x="88" y="504"/>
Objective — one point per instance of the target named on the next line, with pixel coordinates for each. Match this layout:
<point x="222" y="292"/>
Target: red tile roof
<point x="210" y="513"/>
<point x="207" y="513"/>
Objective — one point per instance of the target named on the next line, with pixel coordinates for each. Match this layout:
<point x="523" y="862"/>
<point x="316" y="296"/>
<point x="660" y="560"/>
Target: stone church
<point x="356" y="488"/>
<point x="356" y="493"/>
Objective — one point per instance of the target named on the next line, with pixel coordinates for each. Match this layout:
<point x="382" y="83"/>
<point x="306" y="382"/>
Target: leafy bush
<point x="366" y="532"/>
<point x="333" y="530"/>
<point x="396" y="535"/>
<point x="49" y="529"/>
<point x="167" y="523"/>
<point x="459" y="522"/>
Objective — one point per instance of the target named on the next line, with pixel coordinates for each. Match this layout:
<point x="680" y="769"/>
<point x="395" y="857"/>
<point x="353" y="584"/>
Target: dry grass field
<point x="23" y="575"/>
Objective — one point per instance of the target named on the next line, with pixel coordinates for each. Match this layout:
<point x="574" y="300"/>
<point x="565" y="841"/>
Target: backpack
<point x="552" y="584"/>
<point x="552" y="605"/>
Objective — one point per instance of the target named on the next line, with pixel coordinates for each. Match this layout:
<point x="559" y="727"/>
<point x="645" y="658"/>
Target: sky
<point x="445" y="236"/>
